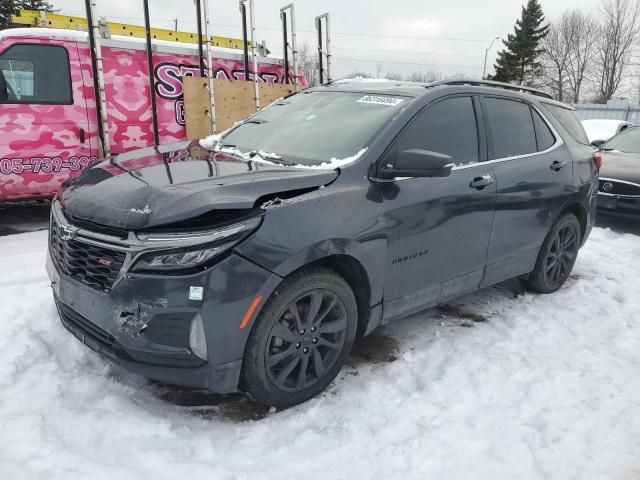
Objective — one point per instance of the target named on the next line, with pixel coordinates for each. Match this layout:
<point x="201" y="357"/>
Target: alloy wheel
<point x="306" y="340"/>
<point x="562" y="254"/>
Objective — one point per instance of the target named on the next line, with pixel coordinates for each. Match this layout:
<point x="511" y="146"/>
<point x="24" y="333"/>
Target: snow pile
<point x="546" y="388"/>
<point x="602" y="129"/>
<point x="211" y="142"/>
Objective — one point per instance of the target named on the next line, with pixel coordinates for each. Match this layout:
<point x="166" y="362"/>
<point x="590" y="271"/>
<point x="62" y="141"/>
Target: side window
<point x="32" y="73"/>
<point x="448" y="126"/>
<point x="511" y="127"/>
<point x="544" y="137"/>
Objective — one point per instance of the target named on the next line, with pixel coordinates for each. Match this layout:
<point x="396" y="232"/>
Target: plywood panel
<point x="196" y="105"/>
<point x="234" y="100"/>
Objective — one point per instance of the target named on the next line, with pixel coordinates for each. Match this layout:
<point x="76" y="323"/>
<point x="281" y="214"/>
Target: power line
<point x="373" y="60"/>
<point x="407" y="52"/>
<point x="350" y="34"/>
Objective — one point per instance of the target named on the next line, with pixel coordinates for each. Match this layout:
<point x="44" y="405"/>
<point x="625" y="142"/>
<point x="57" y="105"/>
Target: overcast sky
<point x="399" y="35"/>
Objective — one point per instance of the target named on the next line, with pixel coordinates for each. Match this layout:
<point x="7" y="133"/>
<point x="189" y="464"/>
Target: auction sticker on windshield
<point x="381" y="100"/>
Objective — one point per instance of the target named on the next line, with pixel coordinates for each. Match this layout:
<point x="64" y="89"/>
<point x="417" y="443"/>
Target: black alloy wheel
<point x="557" y="256"/>
<point x="306" y="340"/>
<point x="301" y="338"/>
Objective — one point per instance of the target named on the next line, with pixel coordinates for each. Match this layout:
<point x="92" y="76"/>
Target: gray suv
<point x="253" y="260"/>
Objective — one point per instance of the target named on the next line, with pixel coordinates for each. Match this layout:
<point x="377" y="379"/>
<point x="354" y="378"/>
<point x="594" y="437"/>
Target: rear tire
<point x="301" y="339"/>
<point x="557" y="256"/>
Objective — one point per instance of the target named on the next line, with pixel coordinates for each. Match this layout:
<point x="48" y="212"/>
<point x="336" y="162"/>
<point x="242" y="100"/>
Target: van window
<point x="569" y="120"/>
<point x="511" y="127"/>
<point x="448" y="127"/>
<point x="31" y="73"/>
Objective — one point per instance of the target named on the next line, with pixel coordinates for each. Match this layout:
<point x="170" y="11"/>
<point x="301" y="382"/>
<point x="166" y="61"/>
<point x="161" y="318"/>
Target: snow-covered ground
<point x="501" y="384"/>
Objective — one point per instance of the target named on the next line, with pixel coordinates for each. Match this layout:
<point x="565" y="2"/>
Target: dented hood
<point x="154" y="187"/>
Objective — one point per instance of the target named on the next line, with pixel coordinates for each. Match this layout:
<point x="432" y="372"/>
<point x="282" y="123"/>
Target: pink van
<point x="48" y="119"/>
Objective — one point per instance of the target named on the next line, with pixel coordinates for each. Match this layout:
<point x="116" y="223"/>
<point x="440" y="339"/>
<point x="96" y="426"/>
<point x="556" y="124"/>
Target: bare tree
<point x="557" y="48"/>
<point x="617" y="37"/>
<point x="585" y="34"/>
<point x="307" y="62"/>
<point x="425" y="77"/>
<point x="393" y="76"/>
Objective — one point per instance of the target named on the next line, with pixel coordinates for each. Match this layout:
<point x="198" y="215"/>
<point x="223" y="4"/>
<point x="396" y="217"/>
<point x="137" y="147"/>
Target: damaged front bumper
<point x="143" y="322"/>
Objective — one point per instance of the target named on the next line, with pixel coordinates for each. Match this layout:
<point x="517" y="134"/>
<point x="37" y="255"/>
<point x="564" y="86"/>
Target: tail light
<point x="597" y="158"/>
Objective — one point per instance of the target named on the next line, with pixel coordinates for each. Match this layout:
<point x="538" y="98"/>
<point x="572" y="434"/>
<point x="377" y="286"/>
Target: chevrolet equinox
<point x="252" y="260"/>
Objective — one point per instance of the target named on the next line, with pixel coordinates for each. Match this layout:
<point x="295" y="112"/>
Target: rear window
<point x="569" y="120"/>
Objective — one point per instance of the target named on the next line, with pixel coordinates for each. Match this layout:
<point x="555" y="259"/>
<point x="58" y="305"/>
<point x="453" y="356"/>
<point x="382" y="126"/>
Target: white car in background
<point x="602" y="130"/>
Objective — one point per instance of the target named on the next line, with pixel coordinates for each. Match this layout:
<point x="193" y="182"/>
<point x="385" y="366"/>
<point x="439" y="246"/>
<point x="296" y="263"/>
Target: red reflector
<point x="598" y="159"/>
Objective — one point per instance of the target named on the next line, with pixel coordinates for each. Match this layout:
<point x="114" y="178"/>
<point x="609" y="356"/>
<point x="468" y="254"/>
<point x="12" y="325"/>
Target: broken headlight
<point x="198" y="250"/>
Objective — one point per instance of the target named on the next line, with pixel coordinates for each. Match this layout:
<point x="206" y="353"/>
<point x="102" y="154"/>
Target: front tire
<point x="557" y="256"/>
<point x="301" y="339"/>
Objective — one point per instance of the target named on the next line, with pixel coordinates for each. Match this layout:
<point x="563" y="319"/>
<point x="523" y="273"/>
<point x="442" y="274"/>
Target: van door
<point x="43" y="118"/>
<point x="534" y="175"/>
<point x="438" y="228"/>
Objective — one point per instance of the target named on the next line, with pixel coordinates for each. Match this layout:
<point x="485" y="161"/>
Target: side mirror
<point x="598" y="143"/>
<point x="418" y="163"/>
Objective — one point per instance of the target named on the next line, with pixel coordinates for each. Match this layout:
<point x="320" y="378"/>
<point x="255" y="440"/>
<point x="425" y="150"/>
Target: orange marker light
<point x="250" y="311"/>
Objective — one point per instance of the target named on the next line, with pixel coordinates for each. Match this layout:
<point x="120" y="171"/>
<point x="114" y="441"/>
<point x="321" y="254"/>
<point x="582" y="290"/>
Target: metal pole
<point x="200" y="49"/>
<point x="326" y="51"/>
<point x="98" y="79"/>
<point x="252" y="24"/>
<point x="320" y="52"/>
<point x="245" y="38"/>
<point x="328" y="48"/>
<point x="292" y="45"/>
<point x="210" y="69"/>
<point x="285" y="42"/>
<point x="486" y="53"/>
<point x="154" y="110"/>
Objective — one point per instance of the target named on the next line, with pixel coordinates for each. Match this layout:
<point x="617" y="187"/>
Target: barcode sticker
<point x="381" y="100"/>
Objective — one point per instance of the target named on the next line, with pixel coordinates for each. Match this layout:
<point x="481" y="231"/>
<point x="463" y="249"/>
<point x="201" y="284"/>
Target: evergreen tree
<point x="8" y="7"/>
<point x="519" y="61"/>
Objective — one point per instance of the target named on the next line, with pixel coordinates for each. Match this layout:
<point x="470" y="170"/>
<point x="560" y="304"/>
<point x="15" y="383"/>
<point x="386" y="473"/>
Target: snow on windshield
<point x="214" y="143"/>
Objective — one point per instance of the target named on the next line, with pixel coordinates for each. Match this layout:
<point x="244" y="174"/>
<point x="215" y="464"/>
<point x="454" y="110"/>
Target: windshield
<point x="627" y="141"/>
<point x="315" y="128"/>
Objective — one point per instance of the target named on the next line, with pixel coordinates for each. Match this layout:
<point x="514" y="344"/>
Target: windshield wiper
<point x="255" y="121"/>
<point x="277" y="160"/>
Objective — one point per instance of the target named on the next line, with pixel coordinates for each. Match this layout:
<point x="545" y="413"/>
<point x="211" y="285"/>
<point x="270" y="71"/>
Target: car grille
<point x="87" y="332"/>
<point x="618" y="188"/>
<point x="96" y="267"/>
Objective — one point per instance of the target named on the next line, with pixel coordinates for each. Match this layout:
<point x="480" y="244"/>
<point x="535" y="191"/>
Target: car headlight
<point x="200" y="247"/>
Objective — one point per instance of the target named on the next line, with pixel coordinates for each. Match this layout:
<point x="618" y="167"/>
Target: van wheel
<point x="557" y="256"/>
<point x="301" y="339"/>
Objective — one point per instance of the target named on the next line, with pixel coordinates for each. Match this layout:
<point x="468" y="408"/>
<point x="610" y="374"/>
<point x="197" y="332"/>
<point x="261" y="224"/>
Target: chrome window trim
<point x="558" y="143"/>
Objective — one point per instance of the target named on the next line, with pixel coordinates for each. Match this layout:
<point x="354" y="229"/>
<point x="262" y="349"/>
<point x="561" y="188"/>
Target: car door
<point x="534" y="175"/>
<point x="43" y="117"/>
<point x="438" y="229"/>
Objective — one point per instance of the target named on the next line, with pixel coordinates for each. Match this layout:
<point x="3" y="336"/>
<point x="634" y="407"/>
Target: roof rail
<point x="491" y="83"/>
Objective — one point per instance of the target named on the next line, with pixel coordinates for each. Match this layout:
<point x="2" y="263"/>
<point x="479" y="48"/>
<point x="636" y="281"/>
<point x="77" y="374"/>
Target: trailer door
<point x="43" y="117"/>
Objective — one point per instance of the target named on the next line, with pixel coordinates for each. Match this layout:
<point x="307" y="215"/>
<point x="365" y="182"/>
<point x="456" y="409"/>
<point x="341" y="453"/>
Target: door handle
<point x="558" y="165"/>
<point x="82" y="135"/>
<point x="480" y="182"/>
